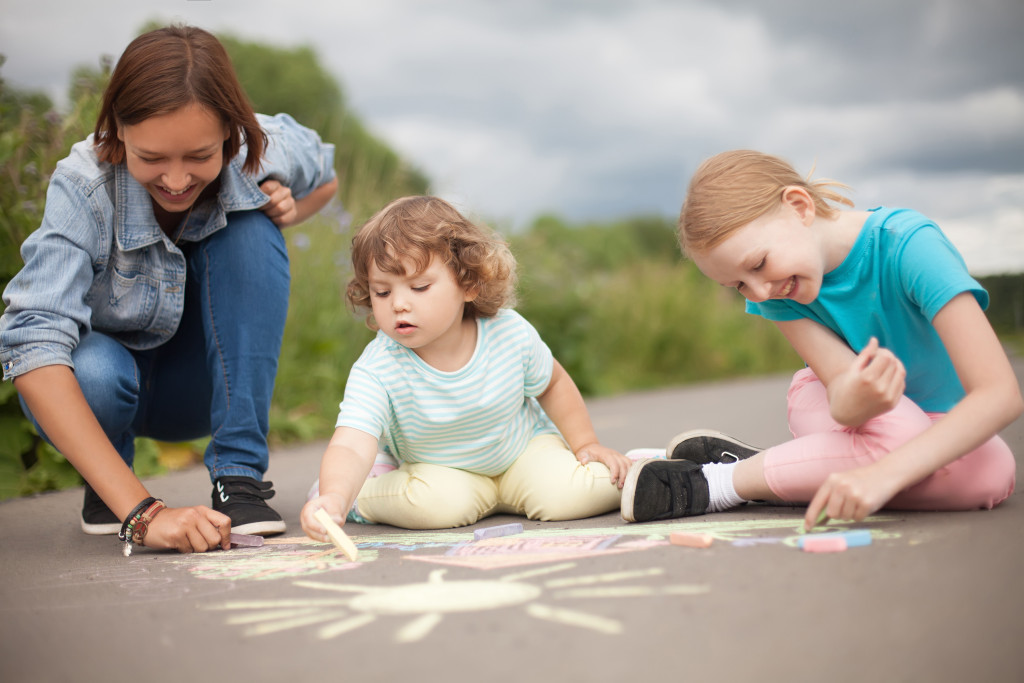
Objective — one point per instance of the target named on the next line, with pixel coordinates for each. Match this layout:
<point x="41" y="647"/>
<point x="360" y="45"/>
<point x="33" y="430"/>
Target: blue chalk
<point x="500" y="530"/>
<point x="857" y="537"/>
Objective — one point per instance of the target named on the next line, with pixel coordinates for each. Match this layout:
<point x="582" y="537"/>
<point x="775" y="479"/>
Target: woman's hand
<point x="281" y="208"/>
<point x="331" y="503"/>
<point x="189" y="530"/>
<point x="616" y="462"/>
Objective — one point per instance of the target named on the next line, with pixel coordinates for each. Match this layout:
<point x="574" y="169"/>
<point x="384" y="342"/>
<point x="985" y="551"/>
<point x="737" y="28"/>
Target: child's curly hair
<point x="418" y="228"/>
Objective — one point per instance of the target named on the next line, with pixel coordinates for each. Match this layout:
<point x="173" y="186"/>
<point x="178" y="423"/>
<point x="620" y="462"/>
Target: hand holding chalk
<point x="337" y="536"/>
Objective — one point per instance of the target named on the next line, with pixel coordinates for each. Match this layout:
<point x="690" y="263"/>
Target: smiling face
<point x="777" y="256"/>
<point x="424" y="312"/>
<point x="175" y="156"/>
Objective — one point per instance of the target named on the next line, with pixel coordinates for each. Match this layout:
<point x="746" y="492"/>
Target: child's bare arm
<point x="860" y="385"/>
<point x="346" y="462"/>
<point x="564" y="404"/>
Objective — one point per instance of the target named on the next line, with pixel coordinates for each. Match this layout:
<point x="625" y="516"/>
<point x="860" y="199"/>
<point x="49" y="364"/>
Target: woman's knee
<point x="108" y="375"/>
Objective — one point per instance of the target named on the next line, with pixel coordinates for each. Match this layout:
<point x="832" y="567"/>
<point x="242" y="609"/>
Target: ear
<point x="471" y="294"/>
<point x="799" y="200"/>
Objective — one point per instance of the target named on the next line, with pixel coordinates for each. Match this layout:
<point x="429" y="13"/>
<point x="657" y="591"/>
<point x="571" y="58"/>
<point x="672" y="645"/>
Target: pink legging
<point x="794" y="470"/>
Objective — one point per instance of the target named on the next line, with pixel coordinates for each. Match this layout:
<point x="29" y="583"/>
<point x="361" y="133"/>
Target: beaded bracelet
<point x="141" y="526"/>
<point x="128" y="528"/>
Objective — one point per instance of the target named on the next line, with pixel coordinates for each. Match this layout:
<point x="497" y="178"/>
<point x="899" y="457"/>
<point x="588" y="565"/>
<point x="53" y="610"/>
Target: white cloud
<point x="593" y="109"/>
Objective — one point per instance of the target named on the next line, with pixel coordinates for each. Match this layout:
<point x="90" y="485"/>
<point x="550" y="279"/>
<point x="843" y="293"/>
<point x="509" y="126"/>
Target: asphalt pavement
<point x="934" y="597"/>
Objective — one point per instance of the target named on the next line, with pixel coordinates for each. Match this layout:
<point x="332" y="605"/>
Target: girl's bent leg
<point x="548" y="483"/>
<point x="424" y="496"/>
<point x="241" y="276"/>
<point x="796" y="469"/>
<point x="983" y="478"/>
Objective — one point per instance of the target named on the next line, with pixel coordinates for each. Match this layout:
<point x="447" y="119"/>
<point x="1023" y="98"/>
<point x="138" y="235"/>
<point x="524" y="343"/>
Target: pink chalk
<point x="824" y="544"/>
<point x="690" y="540"/>
<point x="246" y="540"/>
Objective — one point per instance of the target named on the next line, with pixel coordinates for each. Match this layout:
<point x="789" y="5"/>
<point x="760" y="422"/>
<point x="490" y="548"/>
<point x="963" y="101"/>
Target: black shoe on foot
<point x="706" y="445"/>
<point x="664" y="489"/>
<point x="244" y="500"/>
<point x="97" y="518"/>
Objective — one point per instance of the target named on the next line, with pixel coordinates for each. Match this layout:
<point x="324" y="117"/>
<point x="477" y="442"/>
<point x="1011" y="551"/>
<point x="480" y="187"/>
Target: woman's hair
<point x="731" y="189"/>
<point x="417" y="229"/>
<point x="167" y="69"/>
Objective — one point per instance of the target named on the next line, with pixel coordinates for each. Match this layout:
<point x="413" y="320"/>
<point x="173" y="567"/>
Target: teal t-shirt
<point x="900" y="272"/>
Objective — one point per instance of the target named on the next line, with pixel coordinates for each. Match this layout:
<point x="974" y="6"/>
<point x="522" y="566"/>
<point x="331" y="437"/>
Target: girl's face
<point x="778" y="256"/>
<point x="422" y="311"/>
<point x="175" y="156"/>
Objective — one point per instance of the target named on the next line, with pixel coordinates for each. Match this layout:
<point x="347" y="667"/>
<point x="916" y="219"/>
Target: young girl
<point x="460" y="389"/>
<point x="906" y="384"/>
<point x="153" y="297"/>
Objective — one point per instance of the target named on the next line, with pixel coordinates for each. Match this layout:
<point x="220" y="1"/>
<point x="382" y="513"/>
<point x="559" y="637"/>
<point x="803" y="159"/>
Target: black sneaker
<point x="243" y="499"/>
<point x="97" y="518"/>
<point x="706" y="445"/>
<point x="664" y="489"/>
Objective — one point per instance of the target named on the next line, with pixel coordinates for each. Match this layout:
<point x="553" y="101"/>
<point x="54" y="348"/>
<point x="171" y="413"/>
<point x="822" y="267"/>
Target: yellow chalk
<point x="337" y="536"/>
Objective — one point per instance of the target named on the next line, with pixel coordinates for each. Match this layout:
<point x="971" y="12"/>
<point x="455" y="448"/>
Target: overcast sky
<point x="596" y="109"/>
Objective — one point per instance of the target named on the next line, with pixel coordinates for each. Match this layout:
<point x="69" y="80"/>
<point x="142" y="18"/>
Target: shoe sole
<point x="101" y="529"/>
<point x="267" y="528"/>
<point x="679" y="438"/>
<point x="629" y="488"/>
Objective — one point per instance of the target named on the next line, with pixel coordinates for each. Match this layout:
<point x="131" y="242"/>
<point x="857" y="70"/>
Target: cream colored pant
<point x="545" y="483"/>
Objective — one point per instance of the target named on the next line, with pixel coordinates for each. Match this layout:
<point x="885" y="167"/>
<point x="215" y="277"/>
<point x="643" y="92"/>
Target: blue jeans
<point x="215" y="376"/>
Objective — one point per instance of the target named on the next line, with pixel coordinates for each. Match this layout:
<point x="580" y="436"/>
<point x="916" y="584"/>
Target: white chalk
<point x="337" y="536"/>
<point x="500" y="530"/>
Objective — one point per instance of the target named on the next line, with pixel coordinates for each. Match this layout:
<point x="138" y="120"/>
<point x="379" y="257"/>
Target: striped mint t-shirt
<point x="478" y="418"/>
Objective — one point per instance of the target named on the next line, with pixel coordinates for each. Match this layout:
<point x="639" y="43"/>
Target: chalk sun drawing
<point x="423" y="606"/>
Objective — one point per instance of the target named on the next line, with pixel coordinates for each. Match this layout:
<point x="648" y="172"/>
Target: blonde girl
<point x="906" y="385"/>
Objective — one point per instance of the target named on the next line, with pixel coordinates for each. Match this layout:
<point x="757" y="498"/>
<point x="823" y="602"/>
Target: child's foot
<point x="664" y="489"/>
<point x="706" y="445"/>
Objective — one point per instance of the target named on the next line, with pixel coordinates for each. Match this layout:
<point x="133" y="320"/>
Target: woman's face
<point x="175" y="156"/>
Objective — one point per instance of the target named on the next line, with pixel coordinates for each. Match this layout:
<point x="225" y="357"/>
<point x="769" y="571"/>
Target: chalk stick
<point x="496" y="531"/>
<point x="337" y="536"/>
<point x="822" y="516"/>
<point x="635" y="454"/>
<point x="247" y="540"/>
<point x="823" y="543"/>
<point x="854" y="538"/>
<point x="690" y="540"/>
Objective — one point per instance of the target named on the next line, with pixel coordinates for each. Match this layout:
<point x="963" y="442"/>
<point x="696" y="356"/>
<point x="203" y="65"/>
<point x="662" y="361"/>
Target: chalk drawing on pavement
<point x="299" y="557"/>
<point x="421" y="607"/>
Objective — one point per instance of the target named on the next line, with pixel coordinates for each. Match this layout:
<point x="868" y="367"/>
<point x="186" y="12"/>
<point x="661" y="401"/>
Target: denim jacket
<point x="100" y="261"/>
